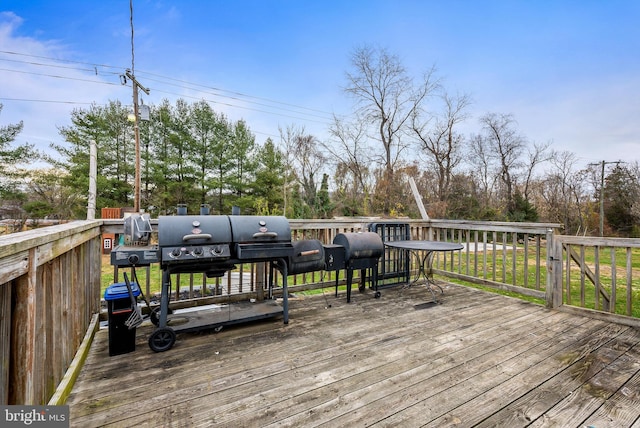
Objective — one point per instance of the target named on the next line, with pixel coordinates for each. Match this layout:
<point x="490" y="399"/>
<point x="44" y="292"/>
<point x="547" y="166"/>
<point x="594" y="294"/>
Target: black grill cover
<point x="360" y="245"/>
<point x="308" y="256"/>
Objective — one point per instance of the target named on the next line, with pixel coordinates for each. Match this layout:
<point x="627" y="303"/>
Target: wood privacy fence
<point x="50" y="282"/>
<point x="49" y="292"/>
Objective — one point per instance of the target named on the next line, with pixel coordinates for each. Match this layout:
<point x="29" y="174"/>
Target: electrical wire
<point x="77" y="79"/>
<point x="303" y="113"/>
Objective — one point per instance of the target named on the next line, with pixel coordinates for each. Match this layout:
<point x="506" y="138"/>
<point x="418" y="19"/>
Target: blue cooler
<point x="122" y="339"/>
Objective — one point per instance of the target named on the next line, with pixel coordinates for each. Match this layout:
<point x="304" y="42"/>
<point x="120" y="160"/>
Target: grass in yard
<point x="613" y="275"/>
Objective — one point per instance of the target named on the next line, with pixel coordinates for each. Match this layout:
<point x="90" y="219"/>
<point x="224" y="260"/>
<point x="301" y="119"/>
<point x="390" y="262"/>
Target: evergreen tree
<point x="324" y="206"/>
<point x="11" y="158"/>
<point x="107" y="126"/>
<point x="203" y="129"/>
<point x="269" y="180"/>
<point x="221" y="165"/>
<point x="242" y="175"/>
<point x="621" y="191"/>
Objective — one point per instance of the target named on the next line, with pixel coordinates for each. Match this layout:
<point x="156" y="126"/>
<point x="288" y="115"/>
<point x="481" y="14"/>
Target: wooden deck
<point x="476" y="359"/>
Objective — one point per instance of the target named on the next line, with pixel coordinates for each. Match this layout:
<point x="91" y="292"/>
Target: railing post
<point x="5" y="341"/>
<point x="554" y="271"/>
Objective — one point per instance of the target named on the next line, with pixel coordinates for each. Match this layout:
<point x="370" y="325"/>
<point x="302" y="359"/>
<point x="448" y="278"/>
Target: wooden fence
<point x="49" y="293"/>
<point x="50" y="282"/>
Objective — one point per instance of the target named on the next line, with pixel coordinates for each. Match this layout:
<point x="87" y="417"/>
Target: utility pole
<point x="93" y="172"/>
<point x="602" y="164"/>
<point x="136" y="132"/>
<point x="136" y="128"/>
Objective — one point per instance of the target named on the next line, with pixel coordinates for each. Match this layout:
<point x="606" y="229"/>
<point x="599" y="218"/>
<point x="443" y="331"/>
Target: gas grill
<point x="260" y="238"/>
<point x="195" y="244"/>
<point x="214" y="245"/>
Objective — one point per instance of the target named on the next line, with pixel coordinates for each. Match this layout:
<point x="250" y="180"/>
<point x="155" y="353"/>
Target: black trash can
<point x="122" y="339"/>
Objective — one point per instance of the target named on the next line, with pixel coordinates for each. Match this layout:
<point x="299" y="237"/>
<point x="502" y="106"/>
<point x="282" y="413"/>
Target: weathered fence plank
<point x="49" y="288"/>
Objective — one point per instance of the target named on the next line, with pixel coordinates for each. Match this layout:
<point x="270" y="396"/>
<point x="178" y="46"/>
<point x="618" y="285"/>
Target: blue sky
<point x="568" y="71"/>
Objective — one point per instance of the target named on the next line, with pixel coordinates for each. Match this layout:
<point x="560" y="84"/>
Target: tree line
<point x="400" y="128"/>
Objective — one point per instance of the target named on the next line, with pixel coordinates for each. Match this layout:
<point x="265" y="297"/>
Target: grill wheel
<point x="162" y="339"/>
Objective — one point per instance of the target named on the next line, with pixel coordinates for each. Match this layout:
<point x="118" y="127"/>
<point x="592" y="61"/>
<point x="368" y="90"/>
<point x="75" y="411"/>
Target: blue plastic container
<point x="119" y="291"/>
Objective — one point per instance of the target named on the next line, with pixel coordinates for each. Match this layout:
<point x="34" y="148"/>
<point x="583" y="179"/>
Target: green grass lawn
<point x="579" y="296"/>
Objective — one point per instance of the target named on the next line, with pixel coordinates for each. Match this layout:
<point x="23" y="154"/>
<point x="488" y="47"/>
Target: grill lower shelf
<point x="223" y="315"/>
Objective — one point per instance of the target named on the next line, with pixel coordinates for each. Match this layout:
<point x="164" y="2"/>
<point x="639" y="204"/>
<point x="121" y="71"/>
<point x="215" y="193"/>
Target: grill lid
<point x="259" y="229"/>
<point x="360" y="245"/>
<point x="308" y="256"/>
<point x="193" y="230"/>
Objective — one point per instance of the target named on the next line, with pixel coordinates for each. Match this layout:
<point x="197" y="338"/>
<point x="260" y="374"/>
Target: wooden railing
<point x="49" y="295"/>
<point x="507" y="256"/>
<point x="598" y="275"/>
<point x="50" y="282"/>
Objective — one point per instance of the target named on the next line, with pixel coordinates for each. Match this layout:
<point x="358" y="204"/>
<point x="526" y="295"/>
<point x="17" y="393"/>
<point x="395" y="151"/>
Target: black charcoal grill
<point x="349" y="251"/>
<point x="360" y="251"/>
<point x="214" y="245"/>
<point x="308" y="256"/>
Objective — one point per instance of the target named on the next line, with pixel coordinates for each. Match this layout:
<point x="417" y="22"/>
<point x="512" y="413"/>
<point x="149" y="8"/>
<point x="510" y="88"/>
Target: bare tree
<point x="306" y="160"/>
<point x="538" y="155"/>
<point x="353" y="156"/>
<point x="482" y="166"/>
<point x="505" y="146"/>
<point x="558" y="191"/>
<point x="441" y="141"/>
<point x="387" y="99"/>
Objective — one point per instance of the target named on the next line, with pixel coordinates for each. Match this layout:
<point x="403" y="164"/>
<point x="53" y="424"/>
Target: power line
<point x="240" y="94"/>
<point x="240" y="99"/>
<point x="60" y="60"/>
<point x="237" y="106"/>
<point x="32" y="73"/>
<point x="46" y="101"/>
<point x="40" y="64"/>
<point x="306" y="111"/>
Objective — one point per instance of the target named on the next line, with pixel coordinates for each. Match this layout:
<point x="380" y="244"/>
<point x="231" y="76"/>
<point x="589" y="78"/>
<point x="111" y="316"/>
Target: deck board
<point x="475" y="359"/>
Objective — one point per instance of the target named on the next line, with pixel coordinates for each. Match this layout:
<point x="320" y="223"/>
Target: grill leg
<point x="285" y="293"/>
<point x="349" y="281"/>
<point x="374" y="279"/>
<point x="164" y="298"/>
<point x="363" y="280"/>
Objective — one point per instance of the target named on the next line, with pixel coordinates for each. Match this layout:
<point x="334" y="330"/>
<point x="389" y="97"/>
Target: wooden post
<point x="418" y="198"/>
<point x="93" y="174"/>
<point x="5" y="339"/>
<point x="554" y="271"/>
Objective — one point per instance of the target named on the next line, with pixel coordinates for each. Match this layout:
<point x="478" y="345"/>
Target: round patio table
<point x="423" y="252"/>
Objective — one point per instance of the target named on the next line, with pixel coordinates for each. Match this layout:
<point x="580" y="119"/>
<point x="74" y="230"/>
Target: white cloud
<point x="41" y="86"/>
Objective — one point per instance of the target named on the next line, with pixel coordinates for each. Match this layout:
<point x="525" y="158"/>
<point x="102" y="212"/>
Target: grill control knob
<point x="197" y="251"/>
<point x="175" y="253"/>
<point x="217" y="250"/>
